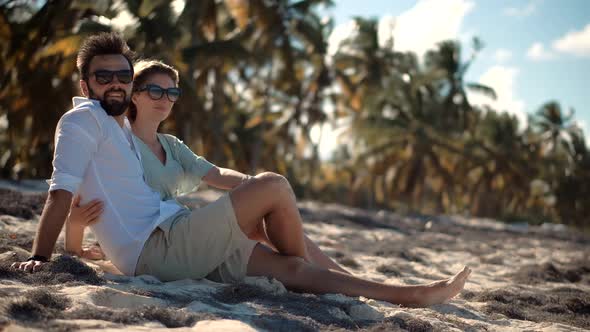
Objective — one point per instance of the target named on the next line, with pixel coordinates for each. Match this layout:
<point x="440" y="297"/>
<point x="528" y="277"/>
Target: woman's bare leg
<point x="299" y="275"/>
<point x="320" y="258"/>
<point x="269" y="197"/>
<point x="316" y="255"/>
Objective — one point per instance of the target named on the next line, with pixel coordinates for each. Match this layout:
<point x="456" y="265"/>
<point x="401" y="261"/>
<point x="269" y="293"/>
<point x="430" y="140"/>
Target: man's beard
<point x="113" y="107"/>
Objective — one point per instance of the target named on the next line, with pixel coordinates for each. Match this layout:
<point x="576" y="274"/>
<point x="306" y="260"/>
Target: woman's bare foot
<point x="443" y="290"/>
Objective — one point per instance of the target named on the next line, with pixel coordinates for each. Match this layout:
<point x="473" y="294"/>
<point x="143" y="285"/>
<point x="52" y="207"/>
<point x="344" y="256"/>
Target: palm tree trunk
<point x="216" y="123"/>
<point x="259" y="144"/>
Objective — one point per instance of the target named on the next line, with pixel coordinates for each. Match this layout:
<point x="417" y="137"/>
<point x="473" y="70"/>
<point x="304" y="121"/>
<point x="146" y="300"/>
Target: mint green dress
<point x="182" y="171"/>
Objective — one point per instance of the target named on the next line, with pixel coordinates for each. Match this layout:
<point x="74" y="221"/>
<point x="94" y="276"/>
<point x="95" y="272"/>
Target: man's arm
<point x="51" y="222"/>
<point x="224" y="178"/>
<point x="76" y="141"/>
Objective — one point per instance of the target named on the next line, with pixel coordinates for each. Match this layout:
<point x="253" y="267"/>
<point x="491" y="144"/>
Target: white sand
<point x="430" y="250"/>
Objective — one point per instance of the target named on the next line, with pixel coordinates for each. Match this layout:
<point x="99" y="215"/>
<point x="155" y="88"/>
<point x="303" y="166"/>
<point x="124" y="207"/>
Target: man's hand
<point x="52" y="219"/>
<point x="28" y="266"/>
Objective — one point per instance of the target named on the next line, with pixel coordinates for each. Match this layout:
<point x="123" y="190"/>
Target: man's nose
<point x="115" y="81"/>
<point x="117" y="85"/>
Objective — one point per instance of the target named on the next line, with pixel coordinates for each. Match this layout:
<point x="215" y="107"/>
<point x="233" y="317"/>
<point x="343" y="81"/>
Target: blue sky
<point x="535" y="50"/>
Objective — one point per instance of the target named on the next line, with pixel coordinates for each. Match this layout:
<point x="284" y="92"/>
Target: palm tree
<point x="573" y="189"/>
<point x="447" y="56"/>
<point x="555" y="128"/>
<point x="393" y="104"/>
<point x="501" y="181"/>
<point x="39" y="43"/>
<point x="289" y="75"/>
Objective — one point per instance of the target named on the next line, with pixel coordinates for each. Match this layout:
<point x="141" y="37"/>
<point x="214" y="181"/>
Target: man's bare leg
<point x="299" y="275"/>
<point x="269" y="197"/>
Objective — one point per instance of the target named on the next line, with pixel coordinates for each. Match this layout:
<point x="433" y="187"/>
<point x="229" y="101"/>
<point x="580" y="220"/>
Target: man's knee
<point x="275" y="181"/>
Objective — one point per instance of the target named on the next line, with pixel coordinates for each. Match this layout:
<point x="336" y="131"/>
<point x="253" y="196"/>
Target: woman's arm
<point x="79" y="218"/>
<point x="73" y="241"/>
<point x="224" y="178"/>
<point x="199" y="167"/>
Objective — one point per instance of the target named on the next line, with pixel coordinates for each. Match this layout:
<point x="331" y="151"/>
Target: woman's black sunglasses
<point x="106" y="76"/>
<point x="156" y="92"/>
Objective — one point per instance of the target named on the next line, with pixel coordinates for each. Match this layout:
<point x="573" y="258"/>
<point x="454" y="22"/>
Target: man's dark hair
<point x="105" y="43"/>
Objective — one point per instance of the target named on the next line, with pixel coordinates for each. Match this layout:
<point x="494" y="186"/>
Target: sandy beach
<point x="525" y="278"/>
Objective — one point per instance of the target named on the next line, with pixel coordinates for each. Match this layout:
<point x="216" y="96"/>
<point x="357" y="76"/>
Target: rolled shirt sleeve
<point x="76" y="142"/>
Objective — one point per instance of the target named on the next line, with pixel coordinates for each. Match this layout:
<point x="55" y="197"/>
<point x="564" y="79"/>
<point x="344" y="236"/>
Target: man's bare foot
<point x="443" y="290"/>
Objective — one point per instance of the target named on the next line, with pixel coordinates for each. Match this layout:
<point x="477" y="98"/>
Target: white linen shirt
<point x="95" y="157"/>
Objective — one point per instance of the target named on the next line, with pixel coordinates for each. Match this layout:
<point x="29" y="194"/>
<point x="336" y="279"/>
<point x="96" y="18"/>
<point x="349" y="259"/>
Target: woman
<point x="264" y="207"/>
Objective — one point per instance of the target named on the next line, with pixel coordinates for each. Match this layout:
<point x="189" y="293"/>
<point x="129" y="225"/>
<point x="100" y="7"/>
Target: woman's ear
<point x="134" y="97"/>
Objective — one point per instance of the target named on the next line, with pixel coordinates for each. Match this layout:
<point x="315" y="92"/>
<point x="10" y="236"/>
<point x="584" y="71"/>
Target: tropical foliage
<point x="257" y="80"/>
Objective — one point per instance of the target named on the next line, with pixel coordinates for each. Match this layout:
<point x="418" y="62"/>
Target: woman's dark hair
<point x="144" y="69"/>
<point x="105" y="43"/>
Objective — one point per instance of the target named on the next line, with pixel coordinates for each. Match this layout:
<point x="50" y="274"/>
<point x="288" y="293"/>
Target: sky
<point x="535" y="50"/>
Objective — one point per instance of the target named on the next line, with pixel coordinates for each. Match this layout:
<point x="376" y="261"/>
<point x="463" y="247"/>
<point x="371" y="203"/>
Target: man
<point x="95" y="156"/>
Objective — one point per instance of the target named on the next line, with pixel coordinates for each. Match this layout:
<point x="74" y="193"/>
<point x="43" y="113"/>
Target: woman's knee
<point x="287" y="269"/>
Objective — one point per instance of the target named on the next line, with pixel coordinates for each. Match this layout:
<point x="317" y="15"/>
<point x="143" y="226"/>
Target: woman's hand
<point x="82" y="216"/>
<point x="93" y="253"/>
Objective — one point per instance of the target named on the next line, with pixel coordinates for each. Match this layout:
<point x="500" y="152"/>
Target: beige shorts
<point x="205" y="243"/>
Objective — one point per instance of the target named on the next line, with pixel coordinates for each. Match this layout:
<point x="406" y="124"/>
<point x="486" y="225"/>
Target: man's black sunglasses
<point x="156" y="92"/>
<point x="106" y="76"/>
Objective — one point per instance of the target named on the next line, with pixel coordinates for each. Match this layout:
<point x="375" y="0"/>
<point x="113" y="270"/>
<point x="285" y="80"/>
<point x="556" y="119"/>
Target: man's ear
<point x="84" y="88"/>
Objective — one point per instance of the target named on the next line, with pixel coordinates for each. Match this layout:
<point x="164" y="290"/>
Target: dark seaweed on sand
<point x="307" y="312"/>
<point x="61" y="270"/>
<point x="37" y="307"/>
<point x="169" y="317"/>
<point x="549" y="272"/>
<point x="23" y="205"/>
<point x="562" y="305"/>
<point x="307" y="307"/>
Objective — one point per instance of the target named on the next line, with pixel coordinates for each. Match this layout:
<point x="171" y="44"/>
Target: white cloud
<point x="502" y="55"/>
<point x="575" y="42"/>
<point x="429" y="22"/>
<point x="525" y="11"/>
<point x="501" y="79"/>
<point x="538" y="52"/>
<point x="409" y="31"/>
